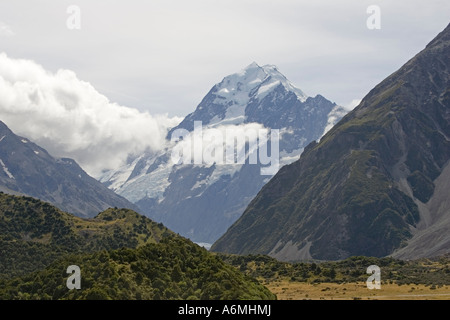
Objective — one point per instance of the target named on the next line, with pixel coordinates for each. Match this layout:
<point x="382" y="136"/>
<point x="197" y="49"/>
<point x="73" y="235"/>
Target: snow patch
<point x="236" y="90"/>
<point x="263" y="90"/>
<point x="234" y="115"/>
<point x="219" y="171"/>
<point x="286" y="131"/>
<point x="117" y="178"/>
<point x="274" y="79"/>
<point x="256" y="81"/>
<point x="149" y="185"/>
<point x="222" y="170"/>
<point x="9" y="174"/>
<point x="200" y="183"/>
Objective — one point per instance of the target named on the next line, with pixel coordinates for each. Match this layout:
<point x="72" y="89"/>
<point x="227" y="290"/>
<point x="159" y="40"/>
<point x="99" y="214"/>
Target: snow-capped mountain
<point x="376" y="185"/>
<point x="227" y="101"/>
<point x="201" y="200"/>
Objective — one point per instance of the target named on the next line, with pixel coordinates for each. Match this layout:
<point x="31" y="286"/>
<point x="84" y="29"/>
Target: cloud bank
<point x="70" y="118"/>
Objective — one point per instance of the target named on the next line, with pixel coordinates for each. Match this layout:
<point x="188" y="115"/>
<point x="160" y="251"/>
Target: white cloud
<point x="209" y="145"/>
<point x="5" y="30"/>
<point x="227" y="145"/>
<point x="144" y="51"/>
<point x="352" y="105"/>
<point x="69" y="117"/>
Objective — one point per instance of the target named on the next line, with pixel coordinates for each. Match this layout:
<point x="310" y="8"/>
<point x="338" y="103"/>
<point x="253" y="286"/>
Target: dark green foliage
<point x="122" y="255"/>
<point x="175" y="268"/>
<point x="423" y="271"/>
<point x="34" y="233"/>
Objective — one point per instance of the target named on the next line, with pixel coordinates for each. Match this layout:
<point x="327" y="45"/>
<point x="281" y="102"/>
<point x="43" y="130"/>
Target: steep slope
<point x="29" y="170"/>
<point x="375" y="183"/>
<point x="202" y="200"/>
<point x="38" y="242"/>
<point x="34" y="233"/>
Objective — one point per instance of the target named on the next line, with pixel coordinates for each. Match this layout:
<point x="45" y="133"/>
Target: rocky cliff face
<point x="375" y="183"/>
<point x="27" y="169"/>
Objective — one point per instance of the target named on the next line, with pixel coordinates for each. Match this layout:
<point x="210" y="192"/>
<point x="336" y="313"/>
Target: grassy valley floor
<point x="422" y="279"/>
<point x="291" y="290"/>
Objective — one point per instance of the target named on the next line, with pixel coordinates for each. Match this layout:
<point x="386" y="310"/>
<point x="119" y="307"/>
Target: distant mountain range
<point x="376" y="184"/>
<point x="27" y="169"/>
<point x="201" y="201"/>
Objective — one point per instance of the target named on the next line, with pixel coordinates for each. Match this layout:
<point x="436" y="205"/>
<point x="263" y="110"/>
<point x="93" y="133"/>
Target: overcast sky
<point x="164" y="56"/>
<point x="99" y="93"/>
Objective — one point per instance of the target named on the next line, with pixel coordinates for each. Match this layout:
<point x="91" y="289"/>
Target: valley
<point x="220" y="155"/>
<point x="261" y="192"/>
<point x="121" y="254"/>
<point x="374" y="185"/>
<point x="287" y="290"/>
<point x="422" y="279"/>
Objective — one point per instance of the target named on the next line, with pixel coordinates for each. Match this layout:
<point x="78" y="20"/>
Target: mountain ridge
<point x="30" y="170"/>
<point x="363" y="189"/>
<point x="200" y="201"/>
<point x="120" y="255"/>
<point x="237" y="91"/>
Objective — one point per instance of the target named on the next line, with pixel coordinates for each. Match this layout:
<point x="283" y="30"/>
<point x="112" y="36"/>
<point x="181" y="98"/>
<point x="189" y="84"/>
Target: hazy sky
<point x="164" y="56"/>
<point x="113" y="87"/>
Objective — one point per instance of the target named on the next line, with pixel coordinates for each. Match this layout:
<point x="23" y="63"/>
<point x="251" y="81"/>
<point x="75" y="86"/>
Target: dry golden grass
<point x="287" y="290"/>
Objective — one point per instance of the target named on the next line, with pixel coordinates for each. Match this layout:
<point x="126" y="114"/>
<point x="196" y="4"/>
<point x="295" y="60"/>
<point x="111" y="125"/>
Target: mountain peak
<point x="200" y="200"/>
<point x="248" y="96"/>
<point x="254" y="76"/>
<point x="375" y="185"/>
<point x="253" y="83"/>
<point x="252" y="65"/>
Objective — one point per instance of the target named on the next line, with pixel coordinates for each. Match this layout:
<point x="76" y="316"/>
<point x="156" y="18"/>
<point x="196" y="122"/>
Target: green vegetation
<point x="34" y="233"/>
<point x="175" y="268"/>
<point x="121" y="254"/>
<point x="346" y="196"/>
<point x="345" y="206"/>
<point x="429" y="272"/>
